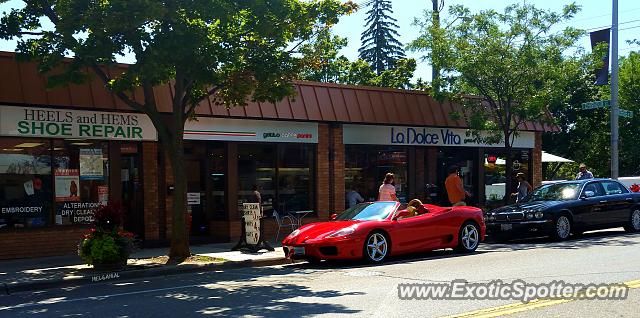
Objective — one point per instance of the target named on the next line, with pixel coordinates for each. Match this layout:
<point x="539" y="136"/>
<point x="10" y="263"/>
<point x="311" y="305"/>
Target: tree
<point x="322" y="64"/>
<point x="380" y="46"/>
<point x="231" y="50"/>
<point x="584" y="135"/>
<point x="510" y="61"/>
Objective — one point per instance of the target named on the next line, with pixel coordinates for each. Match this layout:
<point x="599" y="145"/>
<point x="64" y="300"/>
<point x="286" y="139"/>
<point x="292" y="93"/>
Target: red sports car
<point x="376" y="230"/>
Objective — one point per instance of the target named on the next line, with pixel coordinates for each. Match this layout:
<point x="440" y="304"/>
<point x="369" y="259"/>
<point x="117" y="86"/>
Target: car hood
<point x="519" y="207"/>
<point x="317" y="230"/>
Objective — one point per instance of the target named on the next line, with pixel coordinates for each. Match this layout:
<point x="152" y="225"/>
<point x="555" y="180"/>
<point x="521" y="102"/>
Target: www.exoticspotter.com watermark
<point x="515" y="290"/>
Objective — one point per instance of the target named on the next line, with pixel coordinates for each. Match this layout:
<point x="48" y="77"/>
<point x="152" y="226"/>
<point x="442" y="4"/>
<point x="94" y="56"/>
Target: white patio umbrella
<point x="547" y="157"/>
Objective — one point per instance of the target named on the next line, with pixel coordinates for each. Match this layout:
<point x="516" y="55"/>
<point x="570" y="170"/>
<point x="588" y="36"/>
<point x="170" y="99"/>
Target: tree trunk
<point x="179" y="235"/>
<point x="508" y="173"/>
<point x="435" y="71"/>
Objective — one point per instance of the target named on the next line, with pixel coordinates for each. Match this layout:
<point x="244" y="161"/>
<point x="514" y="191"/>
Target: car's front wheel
<point x="468" y="237"/>
<point x="562" y="228"/>
<point x="376" y="247"/>
<point x="634" y="222"/>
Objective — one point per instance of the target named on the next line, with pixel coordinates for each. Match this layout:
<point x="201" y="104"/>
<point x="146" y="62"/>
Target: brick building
<point x="65" y="151"/>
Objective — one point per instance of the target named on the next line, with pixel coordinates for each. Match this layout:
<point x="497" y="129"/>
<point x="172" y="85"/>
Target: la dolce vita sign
<point x="58" y="123"/>
<point x="422" y="136"/>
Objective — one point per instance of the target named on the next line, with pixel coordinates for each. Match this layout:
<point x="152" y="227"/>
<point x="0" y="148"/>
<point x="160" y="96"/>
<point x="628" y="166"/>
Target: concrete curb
<point x="161" y="270"/>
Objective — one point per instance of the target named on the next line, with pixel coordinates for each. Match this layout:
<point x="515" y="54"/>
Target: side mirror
<point x="588" y="194"/>
<point x="401" y="214"/>
<point x="334" y="216"/>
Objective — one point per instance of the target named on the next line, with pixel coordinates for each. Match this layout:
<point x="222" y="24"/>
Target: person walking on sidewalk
<point x="523" y="187"/>
<point x="387" y="191"/>
<point x="455" y="191"/>
<point x="584" y="173"/>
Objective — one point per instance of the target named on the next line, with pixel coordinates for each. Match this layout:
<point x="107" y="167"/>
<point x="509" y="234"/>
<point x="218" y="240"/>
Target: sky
<point x="595" y="14"/>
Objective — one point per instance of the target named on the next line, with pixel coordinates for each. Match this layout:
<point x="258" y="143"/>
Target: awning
<point x="547" y="157"/>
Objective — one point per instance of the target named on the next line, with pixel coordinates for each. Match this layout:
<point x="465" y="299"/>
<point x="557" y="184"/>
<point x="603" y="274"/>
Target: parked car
<point x="567" y="207"/>
<point x="376" y="230"/>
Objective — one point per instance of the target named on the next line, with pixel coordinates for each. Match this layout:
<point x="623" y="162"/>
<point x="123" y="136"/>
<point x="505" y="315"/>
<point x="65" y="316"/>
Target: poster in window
<point x="103" y="195"/>
<point x="67" y="182"/>
<point x="91" y="164"/>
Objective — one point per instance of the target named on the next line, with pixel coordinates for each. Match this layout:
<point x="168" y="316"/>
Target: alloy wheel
<point x="635" y="220"/>
<point x="470" y="237"/>
<point x="563" y="227"/>
<point x="377" y="247"/>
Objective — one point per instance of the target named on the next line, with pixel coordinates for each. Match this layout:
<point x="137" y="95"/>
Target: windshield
<point x="368" y="211"/>
<point x="555" y="192"/>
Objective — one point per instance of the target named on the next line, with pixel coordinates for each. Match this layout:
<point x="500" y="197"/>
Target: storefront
<point x="63" y="152"/>
<point x="419" y="157"/>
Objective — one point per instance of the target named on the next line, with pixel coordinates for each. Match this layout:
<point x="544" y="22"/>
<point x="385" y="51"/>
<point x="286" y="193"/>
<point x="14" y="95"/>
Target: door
<point x="591" y="209"/>
<point x="131" y="183"/>
<point x="422" y="232"/>
<point x="465" y="160"/>
<point x="195" y="196"/>
<point x="619" y="201"/>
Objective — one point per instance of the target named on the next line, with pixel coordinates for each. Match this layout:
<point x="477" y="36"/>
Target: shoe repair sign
<point x="252" y="215"/>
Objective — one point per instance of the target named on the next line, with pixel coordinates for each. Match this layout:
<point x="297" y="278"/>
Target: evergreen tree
<point x="379" y="44"/>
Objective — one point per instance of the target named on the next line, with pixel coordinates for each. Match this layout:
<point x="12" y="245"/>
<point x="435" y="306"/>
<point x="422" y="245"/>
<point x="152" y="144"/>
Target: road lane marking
<point x="521" y="307"/>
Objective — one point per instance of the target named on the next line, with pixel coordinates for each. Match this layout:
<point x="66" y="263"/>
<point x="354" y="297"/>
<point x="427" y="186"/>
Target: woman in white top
<point x="387" y="191"/>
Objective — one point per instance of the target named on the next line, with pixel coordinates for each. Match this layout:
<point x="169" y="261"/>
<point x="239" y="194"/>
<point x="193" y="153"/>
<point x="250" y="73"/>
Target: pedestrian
<point x="387" y="191"/>
<point x="584" y="173"/>
<point x="523" y="187"/>
<point x="455" y="191"/>
<point x="353" y="197"/>
<point x="256" y="197"/>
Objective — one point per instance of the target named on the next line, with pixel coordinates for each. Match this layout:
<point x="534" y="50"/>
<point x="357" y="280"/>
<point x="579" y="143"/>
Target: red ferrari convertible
<point x="376" y="230"/>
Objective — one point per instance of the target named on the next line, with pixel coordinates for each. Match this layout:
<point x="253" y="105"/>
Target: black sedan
<point x="560" y="209"/>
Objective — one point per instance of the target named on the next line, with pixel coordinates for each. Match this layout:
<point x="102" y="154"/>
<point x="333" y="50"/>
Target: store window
<point x="282" y="174"/>
<point x="366" y="166"/>
<point x="495" y="174"/>
<point x="295" y="190"/>
<point x="26" y="186"/>
<point x="81" y="179"/>
<point x="46" y="181"/>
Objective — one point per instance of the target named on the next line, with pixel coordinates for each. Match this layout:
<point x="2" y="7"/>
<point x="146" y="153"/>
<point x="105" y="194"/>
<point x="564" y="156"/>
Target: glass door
<point x="131" y="184"/>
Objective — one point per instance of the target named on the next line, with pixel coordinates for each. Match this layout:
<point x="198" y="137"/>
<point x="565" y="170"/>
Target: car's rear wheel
<point x="634" y="222"/>
<point x="376" y="247"/>
<point x="468" y="237"/>
<point x="562" y="228"/>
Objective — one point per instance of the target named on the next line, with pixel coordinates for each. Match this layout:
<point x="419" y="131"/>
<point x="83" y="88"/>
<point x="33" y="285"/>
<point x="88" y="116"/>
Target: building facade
<point x="63" y="152"/>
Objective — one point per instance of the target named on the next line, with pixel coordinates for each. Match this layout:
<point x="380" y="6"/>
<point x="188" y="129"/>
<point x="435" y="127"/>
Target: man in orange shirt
<point x="455" y="190"/>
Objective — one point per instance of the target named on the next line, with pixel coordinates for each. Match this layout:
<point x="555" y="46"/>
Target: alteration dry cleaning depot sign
<point x="69" y="123"/>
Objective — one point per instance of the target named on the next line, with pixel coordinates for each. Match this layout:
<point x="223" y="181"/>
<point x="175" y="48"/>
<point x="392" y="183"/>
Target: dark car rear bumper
<point x="520" y="228"/>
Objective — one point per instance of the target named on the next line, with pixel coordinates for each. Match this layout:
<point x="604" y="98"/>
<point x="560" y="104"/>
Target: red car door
<point x="419" y="233"/>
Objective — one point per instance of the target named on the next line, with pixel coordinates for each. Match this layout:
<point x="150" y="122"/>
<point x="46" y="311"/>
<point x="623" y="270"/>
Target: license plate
<point x="506" y="227"/>
<point x="298" y="250"/>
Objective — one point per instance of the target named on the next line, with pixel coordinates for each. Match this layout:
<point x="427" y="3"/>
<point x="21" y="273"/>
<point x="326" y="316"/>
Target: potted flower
<point x="106" y="246"/>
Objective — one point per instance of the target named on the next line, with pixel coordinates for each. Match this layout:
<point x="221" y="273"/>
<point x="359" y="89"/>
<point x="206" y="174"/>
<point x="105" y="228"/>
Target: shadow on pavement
<point x="614" y="237"/>
<point x="238" y="292"/>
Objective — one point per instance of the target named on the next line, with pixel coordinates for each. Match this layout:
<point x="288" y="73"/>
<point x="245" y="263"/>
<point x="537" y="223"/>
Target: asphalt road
<point x="340" y="289"/>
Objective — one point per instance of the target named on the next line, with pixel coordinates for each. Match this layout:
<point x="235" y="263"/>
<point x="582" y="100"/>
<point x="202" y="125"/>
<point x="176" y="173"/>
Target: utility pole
<point x="438" y="5"/>
<point x="614" y="91"/>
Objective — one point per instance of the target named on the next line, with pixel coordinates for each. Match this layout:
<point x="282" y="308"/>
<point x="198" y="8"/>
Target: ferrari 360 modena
<point x="376" y="230"/>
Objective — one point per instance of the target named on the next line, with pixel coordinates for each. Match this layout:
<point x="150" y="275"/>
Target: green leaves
<point x="508" y="58"/>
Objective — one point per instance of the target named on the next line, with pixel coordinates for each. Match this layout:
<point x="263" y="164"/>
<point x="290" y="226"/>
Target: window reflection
<point x="25" y="183"/>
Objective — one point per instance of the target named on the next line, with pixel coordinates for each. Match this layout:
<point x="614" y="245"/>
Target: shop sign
<point x="76" y="212"/>
<point x="208" y="128"/>
<point x="252" y="215"/>
<point x="69" y="123"/>
<point x="193" y="198"/>
<point x="422" y="136"/>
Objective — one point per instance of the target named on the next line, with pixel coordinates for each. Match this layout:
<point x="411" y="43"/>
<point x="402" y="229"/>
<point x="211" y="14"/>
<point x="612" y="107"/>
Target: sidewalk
<point x="59" y="271"/>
